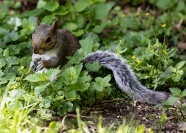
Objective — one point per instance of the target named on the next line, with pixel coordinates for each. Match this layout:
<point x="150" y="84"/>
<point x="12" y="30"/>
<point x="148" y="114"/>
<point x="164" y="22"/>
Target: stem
<point x="181" y="108"/>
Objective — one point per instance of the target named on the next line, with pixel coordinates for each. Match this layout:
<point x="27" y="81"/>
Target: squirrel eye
<point x="48" y="40"/>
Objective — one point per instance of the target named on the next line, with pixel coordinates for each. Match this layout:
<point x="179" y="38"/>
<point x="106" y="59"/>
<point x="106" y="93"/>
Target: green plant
<point x="151" y="64"/>
<point x="177" y="72"/>
<point x="16" y="107"/>
<point x="177" y="100"/>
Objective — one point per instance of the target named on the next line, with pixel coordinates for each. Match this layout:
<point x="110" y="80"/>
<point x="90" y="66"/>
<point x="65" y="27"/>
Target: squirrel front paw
<point x="36" y="64"/>
<point x="40" y="65"/>
<point x="33" y="64"/>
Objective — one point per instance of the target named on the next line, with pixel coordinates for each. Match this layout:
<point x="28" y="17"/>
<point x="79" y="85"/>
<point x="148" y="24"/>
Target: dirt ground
<point x="135" y="113"/>
<point x="140" y="113"/>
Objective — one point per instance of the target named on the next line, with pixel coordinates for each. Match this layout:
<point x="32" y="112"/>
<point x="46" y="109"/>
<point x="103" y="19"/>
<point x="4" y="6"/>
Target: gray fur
<point x="125" y="77"/>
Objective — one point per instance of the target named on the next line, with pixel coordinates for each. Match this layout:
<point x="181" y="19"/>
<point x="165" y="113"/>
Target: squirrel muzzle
<point x="38" y="51"/>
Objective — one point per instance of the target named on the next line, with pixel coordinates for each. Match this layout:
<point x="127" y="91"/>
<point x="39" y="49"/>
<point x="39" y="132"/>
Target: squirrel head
<point x="44" y="38"/>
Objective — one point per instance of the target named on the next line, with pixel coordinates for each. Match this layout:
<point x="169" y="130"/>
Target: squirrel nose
<point x="35" y="51"/>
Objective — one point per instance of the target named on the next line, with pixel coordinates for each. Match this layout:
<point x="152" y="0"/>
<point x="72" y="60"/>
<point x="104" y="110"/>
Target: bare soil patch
<point x="135" y="113"/>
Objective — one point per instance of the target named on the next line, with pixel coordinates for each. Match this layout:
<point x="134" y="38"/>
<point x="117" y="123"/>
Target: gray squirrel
<point x="51" y="46"/>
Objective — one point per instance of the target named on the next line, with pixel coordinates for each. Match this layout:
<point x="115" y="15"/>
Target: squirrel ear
<point x="37" y="22"/>
<point x="54" y="27"/>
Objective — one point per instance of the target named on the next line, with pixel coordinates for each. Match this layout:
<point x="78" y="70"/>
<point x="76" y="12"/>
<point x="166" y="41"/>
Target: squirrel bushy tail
<point x="125" y="77"/>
